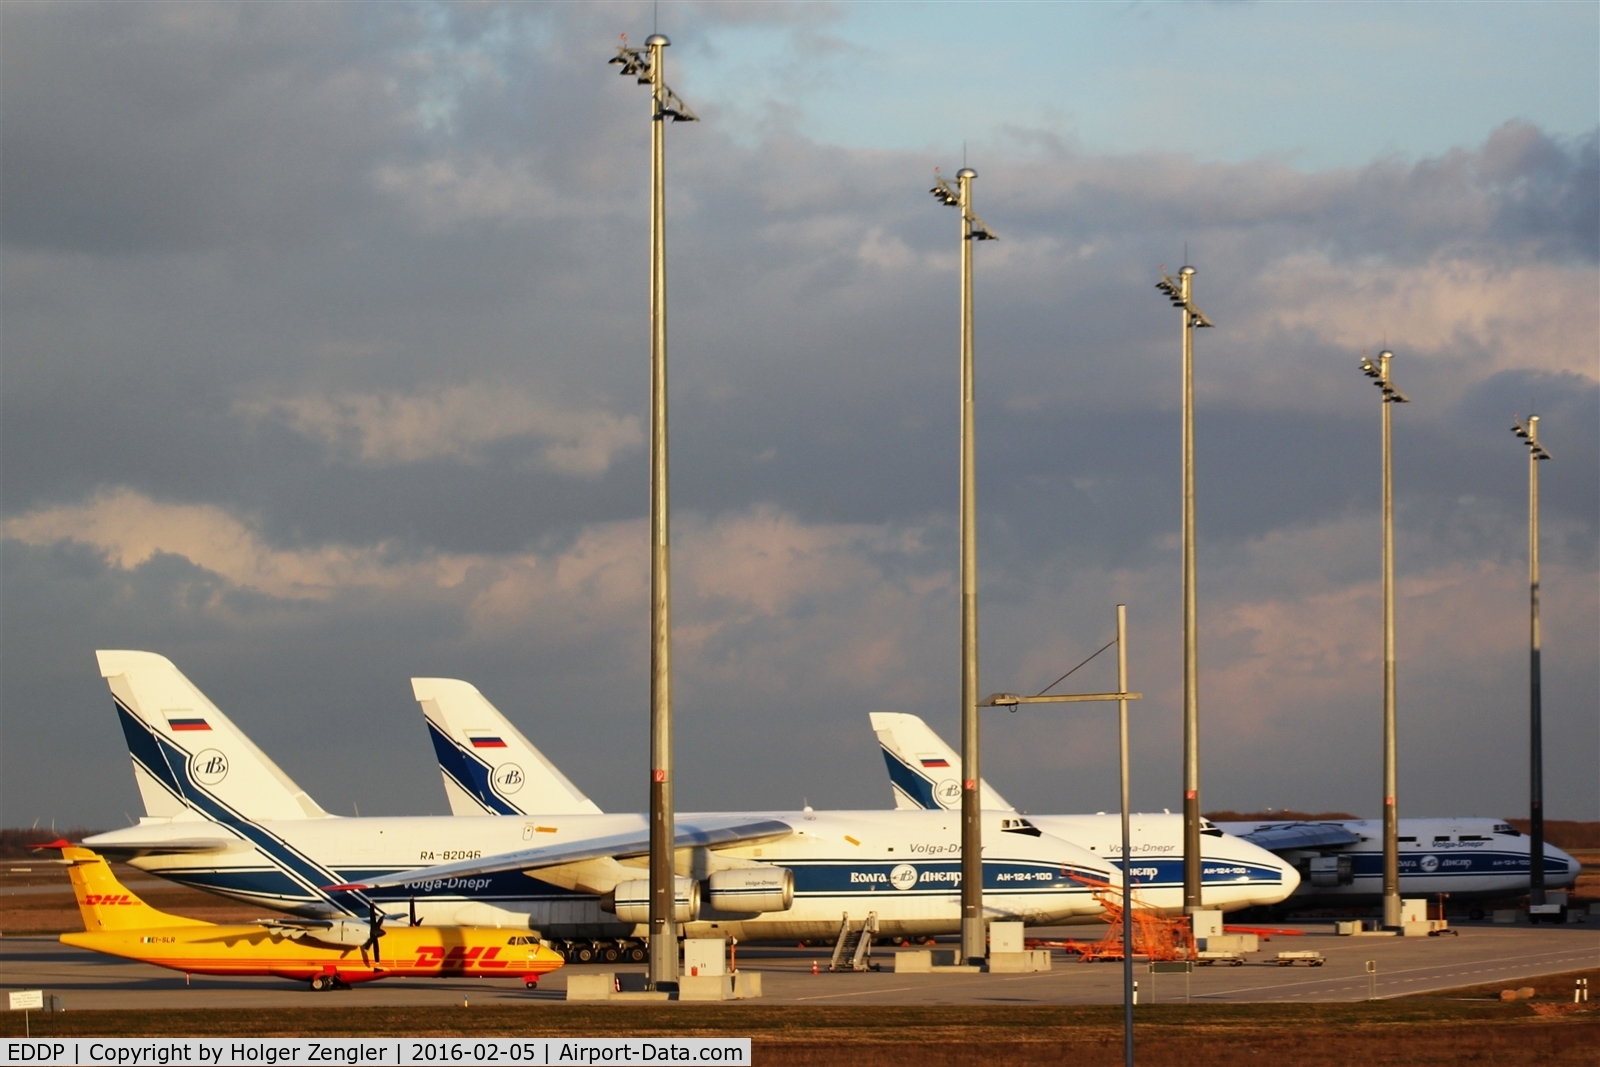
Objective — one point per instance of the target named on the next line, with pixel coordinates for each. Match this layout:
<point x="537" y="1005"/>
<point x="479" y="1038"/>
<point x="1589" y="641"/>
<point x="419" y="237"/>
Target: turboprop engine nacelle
<point x="343" y="932"/>
<point x="752" y="889"/>
<point x="630" y="901"/>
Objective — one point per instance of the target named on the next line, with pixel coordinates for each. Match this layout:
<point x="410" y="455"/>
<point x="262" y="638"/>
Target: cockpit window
<point x="1507" y="829"/>
<point x="1017" y="825"/>
<point x="1212" y="831"/>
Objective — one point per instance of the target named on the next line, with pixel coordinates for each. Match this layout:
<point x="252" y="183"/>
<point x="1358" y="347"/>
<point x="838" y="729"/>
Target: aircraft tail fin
<point x="489" y="767"/>
<point x="107" y="904"/>
<point x="924" y="772"/>
<point x="188" y="757"/>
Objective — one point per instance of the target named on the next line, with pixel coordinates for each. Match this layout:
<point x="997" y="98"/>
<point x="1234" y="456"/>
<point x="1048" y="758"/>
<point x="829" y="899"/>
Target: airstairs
<point x="853" y="950"/>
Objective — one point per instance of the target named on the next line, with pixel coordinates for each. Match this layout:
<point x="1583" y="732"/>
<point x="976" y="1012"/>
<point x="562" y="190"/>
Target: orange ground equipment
<point x="1154" y="936"/>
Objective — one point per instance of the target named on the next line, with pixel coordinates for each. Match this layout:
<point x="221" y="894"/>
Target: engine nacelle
<point x="1328" y="872"/>
<point x="342" y="932"/>
<point x="752" y="889"/>
<point x="630" y="901"/>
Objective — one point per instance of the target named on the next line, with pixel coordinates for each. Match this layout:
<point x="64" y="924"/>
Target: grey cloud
<point x="382" y="201"/>
<point x="177" y="126"/>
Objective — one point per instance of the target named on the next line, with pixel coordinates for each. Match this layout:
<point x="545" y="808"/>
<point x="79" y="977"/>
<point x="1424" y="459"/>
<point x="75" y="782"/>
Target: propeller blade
<point x="375" y="925"/>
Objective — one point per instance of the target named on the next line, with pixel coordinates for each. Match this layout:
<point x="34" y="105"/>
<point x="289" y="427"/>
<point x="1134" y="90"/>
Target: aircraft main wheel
<point x="530" y="983"/>
<point x="583" y="953"/>
<point x="611" y="954"/>
<point x="321" y="983"/>
<point x="637" y="954"/>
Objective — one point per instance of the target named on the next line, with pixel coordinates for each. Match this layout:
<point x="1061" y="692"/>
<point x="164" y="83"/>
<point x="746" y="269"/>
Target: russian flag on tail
<point x="936" y="761"/>
<point x="188" y="724"/>
<point x="486" y="742"/>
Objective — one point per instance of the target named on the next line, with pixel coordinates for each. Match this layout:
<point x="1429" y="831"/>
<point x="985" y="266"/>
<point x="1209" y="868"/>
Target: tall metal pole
<point x="1536" y="891"/>
<point x="1391" y="815"/>
<point x="1127" y="857"/>
<point x="1535" y="709"/>
<point x="1192" y="862"/>
<point x="663" y="928"/>
<point x="649" y="67"/>
<point x="1180" y="291"/>
<point x="974" y="940"/>
<point x="973" y="934"/>
<point x="1379" y="373"/>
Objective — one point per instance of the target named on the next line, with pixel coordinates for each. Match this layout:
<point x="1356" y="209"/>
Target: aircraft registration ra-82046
<point x="325" y="953"/>
<point x="1469" y="859"/>
<point x="221" y="816"/>
<point x="1236" y="873"/>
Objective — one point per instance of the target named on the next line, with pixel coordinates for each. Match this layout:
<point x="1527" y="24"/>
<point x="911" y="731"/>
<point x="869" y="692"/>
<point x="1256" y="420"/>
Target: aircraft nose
<point x="1560" y="881"/>
<point x="1291" y="874"/>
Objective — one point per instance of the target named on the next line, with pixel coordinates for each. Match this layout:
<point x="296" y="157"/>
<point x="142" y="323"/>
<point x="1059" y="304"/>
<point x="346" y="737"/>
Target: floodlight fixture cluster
<point x="1174" y="288"/>
<point x="636" y="63"/>
<point x="1379" y="373"/>
<point x="950" y="196"/>
<point x="1529" y="432"/>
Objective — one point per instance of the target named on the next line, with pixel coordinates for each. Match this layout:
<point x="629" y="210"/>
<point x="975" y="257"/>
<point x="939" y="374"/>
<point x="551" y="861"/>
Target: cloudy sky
<point x="325" y="365"/>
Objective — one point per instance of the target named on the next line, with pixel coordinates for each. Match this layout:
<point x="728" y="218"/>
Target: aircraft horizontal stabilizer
<point x="1300" y="835"/>
<point x="127" y="848"/>
<point x="724" y="832"/>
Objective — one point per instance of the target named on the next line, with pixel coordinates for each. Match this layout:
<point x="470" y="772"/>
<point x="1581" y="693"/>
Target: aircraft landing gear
<point x="530" y="984"/>
<point x="323" y="982"/>
<point x="607" y="951"/>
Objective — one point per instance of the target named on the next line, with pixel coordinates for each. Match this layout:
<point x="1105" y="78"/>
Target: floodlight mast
<point x="1529" y="432"/>
<point x="649" y="67"/>
<point x="1379" y="373"/>
<point x="974" y="937"/>
<point x="1178" y="290"/>
<point x="1121" y="696"/>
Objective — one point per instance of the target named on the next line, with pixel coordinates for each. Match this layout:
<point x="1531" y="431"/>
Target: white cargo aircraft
<point x="1470" y="859"/>
<point x="221" y="816"/>
<point x="924" y="773"/>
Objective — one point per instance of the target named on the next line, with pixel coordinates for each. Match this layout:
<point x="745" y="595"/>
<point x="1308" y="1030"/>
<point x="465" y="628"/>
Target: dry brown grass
<point x="1464" y="1026"/>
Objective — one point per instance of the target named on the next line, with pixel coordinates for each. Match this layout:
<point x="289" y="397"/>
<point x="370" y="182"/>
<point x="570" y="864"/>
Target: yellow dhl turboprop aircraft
<point x="327" y="954"/>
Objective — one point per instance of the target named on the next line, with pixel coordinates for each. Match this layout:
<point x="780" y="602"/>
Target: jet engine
<point x="752" y="889"/>
<point x="1330" y="871"/>
<point x="630" y="901"/>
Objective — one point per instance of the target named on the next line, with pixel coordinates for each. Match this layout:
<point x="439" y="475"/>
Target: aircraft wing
<point x="722" y="832"/>
<point x="1285" y="837"/>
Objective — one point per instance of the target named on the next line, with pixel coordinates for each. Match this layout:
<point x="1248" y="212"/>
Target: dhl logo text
<point x="103" y="899"/>
<point x="477" y="956"/>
